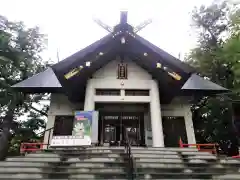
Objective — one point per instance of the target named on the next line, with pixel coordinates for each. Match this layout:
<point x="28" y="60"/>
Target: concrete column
<point x="50" y="124"/>
<point x="156" y="117"/>
<point x="189" y="125"/>
<point x="89" y="103"/>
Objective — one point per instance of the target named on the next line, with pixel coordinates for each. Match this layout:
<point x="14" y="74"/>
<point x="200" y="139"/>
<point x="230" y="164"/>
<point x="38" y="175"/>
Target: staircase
<point x="112" y="163"/>
<point x="183" y="163"/>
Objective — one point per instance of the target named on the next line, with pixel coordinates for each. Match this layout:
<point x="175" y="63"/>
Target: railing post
<point x="180" y="142"/>
<point x="49" y="134"/>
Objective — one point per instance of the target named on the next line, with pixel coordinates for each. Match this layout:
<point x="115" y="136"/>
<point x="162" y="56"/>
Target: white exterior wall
<point x="60" y="105"/>
<point x="182" y="110"/>
<point x="106" y="78"/>
<point x="174" y="109"/>
<point x="110" y="71"/>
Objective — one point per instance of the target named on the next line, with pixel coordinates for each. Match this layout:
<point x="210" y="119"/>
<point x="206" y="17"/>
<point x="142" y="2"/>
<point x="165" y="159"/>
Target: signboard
<point x="63" y="141"/>
<point x="82" y="131"/>
<point x="122" y="71"/>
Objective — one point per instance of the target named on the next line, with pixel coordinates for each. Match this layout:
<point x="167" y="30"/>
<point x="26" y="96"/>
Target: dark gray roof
<point x="196" y="82"/>
<point x="45" y="79"/>
<point x="165" y="56"/>
<point x="111" y="47"/>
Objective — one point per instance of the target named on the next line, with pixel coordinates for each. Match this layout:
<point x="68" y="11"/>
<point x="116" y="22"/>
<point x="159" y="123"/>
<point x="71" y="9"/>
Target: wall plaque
<point x="122" y="71"/>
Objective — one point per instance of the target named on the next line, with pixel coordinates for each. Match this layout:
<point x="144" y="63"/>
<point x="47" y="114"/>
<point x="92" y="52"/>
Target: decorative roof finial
<point x="123" y="17"/>
<point x="123" y="26"/>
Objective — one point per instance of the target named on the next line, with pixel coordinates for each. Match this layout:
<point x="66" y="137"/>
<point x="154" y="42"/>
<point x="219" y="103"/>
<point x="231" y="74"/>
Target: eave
<point x="106" y="49"/>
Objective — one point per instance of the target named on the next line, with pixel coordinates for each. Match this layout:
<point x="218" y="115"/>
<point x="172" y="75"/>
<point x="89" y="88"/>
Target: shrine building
<point x="134" y="86"/>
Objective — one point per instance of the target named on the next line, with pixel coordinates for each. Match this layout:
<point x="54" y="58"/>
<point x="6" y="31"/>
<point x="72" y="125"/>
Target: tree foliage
<point x="216" y="57"/>
<point x="20" y="49"/>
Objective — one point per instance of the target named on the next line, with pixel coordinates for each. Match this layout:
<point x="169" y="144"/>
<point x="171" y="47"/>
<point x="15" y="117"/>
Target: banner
<point x="82" y="126"/>
<point x="82" y="131"/>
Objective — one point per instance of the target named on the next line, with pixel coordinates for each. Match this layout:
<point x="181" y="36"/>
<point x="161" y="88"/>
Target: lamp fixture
<point x="88" y="63"/>
<point x="159" y="65"/>
<point x="123" y="41"/>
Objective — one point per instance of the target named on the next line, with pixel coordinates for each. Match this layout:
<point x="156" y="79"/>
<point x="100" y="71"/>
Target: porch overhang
<point x="196" y="85"/>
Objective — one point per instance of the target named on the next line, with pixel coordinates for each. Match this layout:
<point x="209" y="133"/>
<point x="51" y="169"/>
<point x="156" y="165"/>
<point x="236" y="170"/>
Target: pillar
<point x="156" y="117"/>
<point x="50" y="124"/>
<point x="89" y="105"/>
<point x="189" y="125"/>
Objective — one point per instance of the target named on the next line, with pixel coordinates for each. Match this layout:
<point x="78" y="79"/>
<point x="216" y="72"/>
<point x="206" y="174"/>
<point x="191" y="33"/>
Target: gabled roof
<point x="144" y="53"/>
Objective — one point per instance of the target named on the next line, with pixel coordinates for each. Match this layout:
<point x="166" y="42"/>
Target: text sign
<point x="61" y="141"/>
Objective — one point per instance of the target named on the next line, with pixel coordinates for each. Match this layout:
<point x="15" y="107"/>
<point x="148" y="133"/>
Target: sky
<point x="69" y="24"/>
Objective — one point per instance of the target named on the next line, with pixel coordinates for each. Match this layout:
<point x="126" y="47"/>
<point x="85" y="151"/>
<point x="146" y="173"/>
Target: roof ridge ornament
<point x="123" y="25"/>
<point x="103" y="25"/>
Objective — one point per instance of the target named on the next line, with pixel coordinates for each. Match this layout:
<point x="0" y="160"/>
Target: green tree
<point x="216" y="57"/>
<point x="20" y="49"/>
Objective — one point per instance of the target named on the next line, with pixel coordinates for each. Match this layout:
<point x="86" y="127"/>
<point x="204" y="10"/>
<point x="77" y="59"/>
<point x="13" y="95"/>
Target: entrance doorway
<point x="114" y="126"/>
<point x="173" y="129"/>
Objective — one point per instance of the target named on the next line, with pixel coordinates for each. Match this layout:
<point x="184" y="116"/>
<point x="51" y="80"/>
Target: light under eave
<point x="197" y="83"/>
<point x="45" y="79"/>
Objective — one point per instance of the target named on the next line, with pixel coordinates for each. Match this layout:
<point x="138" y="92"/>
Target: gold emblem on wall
<point x="169" y="71"/>
<point x="73" y="72"/>
<point x="122" y="71"/>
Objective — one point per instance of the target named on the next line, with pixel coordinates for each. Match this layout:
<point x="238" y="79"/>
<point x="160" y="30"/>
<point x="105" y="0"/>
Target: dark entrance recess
<point x="173" y="129"/>
<point x="114" y="125"/>
<point x="63" y="126"/>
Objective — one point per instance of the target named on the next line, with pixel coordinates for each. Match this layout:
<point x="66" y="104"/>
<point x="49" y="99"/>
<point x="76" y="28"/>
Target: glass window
<point x="63" y="125"/>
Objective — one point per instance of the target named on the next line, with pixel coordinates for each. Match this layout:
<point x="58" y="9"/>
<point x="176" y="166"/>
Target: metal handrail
<point x="128" y="150"/>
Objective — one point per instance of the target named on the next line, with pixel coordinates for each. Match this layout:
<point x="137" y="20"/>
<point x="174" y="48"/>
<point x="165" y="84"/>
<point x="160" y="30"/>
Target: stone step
<point x="166" y="149"/>
<point x="81" y="178"/>
<point x="156" y="160"/>
<point x="80" y="154"/>
<point x="160" y="166"/>
<point x="71" y="159"/>
<point x="176" y="175"/>
<point x="26" y="176"/>
<point x="93" y="176"/>
<point x="233" y="176"/>
<point x="22" y="164"/>
<point x="119" y="170"/>
<point x="190" y="153"/>
<point x="67" y="164"/>
<point x="70" y="177"/>
<point x="154" y="152"/>
<point x="98" y="165"/>
<point x="182" y="169"/>
<point x="122" y="148"/>
<point x="64" y="170"/>
<point x="164" y="156"/>
<point x="230" y="161"/>
<point x="32" y="159"/>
